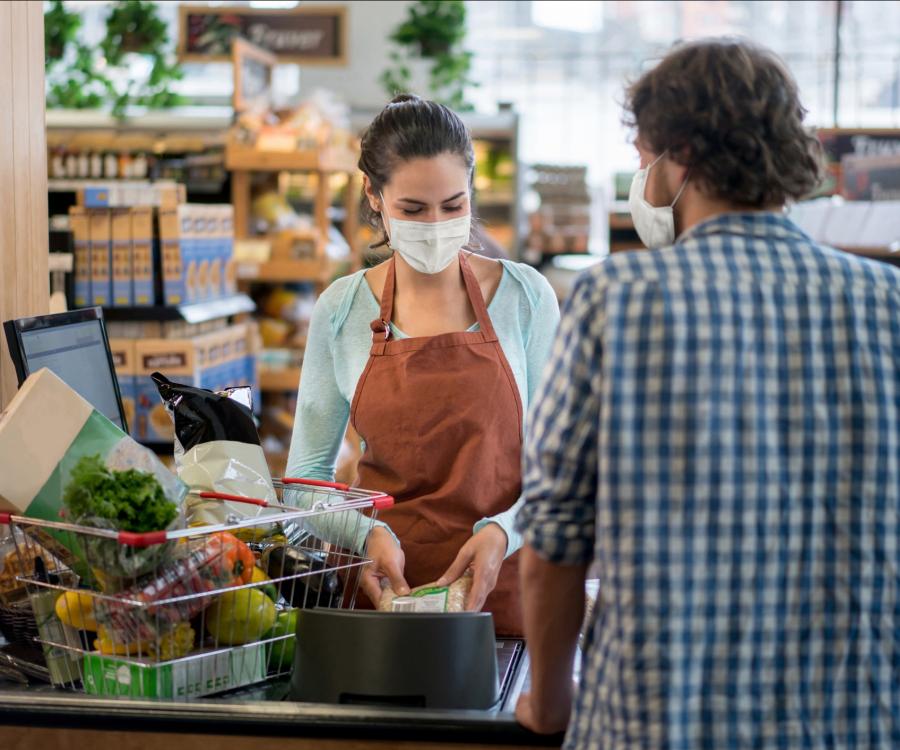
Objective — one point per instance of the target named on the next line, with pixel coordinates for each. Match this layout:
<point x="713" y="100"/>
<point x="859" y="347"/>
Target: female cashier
<point x="432" y="356"/>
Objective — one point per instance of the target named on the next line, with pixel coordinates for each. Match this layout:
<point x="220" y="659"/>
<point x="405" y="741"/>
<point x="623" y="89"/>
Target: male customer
<point x="719" y="431"/>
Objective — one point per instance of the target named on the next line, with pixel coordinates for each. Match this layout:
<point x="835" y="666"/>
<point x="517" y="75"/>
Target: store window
<point x="563" y="64"/>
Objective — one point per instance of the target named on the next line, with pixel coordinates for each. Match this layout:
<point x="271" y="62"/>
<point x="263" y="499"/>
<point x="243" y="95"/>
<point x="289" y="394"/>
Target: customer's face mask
<point x="428" y="247"/>
<point x="655" y="225"/>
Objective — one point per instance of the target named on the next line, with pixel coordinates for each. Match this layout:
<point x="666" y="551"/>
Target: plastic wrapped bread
<point x="428" y="598"/>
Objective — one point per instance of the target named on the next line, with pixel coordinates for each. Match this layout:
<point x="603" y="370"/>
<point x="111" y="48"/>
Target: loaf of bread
<point x="454" y="600"/>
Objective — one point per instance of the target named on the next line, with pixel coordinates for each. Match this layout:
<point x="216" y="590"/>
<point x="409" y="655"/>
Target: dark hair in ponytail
<point x="411" y="128"/>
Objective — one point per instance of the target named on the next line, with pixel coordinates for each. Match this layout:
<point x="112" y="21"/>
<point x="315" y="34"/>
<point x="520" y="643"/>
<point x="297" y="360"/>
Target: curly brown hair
<point x="730" y="111"/>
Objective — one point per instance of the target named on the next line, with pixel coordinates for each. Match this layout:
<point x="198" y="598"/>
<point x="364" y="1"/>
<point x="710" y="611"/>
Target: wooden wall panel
<point x="24" y="285"/>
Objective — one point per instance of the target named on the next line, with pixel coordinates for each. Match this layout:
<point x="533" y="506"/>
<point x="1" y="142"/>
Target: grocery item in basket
<point x="281" y="652"/>
<point x="201" y="566"/>
<point x="172" y="645"/>
<point x="217" y="449"/>
<point x="427" y="598"/>
<point x="129" y="500"/>
<point x="240" y="616"/>
<point x="47" y="429"/>
<point x="306" y="578"/>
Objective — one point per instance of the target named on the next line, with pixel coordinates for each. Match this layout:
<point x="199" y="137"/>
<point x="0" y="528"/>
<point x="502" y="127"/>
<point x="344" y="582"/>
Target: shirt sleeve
<point x="538" y="345"/>
<point x="320" y="423"/>
<point x="557" y="517"/>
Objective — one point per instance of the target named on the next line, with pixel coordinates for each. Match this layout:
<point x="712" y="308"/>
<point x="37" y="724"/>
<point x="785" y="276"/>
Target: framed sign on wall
<point x="253" y="68"/>
<point x="311" y="35"/>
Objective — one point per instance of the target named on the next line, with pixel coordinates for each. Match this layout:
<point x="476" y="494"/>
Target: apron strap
<point x="381" y="328"/>
<point x="477" y="299"/>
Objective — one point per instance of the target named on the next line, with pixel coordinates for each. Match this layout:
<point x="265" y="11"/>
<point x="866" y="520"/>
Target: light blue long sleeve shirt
<point x="525" y="315"/>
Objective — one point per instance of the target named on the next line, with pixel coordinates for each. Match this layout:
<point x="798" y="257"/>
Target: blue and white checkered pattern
<point x="719" y="429"/>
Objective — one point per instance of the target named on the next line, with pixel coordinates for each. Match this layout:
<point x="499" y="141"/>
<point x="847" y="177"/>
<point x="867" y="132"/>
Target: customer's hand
<point x="388" y="561"/>
<point x="484" y="553"/>
<point x="546" y="719"/>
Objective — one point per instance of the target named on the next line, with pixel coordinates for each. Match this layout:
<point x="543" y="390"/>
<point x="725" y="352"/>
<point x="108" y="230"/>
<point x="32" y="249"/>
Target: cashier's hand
<point x="388" y="561"/>
<point x="543" y="719"/>
<point x="484" y="553"/>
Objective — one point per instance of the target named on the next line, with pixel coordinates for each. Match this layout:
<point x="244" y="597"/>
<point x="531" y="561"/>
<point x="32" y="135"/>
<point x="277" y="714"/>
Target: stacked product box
<point x="196" y="243"/>
<point x="142" y="246"/>
<point x="114" y="256"/>
<point x="176" y="359"/>
<point x="122" y="259"/>
<point x="100" y="227"/>
<point x="214" y="360"/>
<point x="123" y="355"/>
<point x="81" y="235"/>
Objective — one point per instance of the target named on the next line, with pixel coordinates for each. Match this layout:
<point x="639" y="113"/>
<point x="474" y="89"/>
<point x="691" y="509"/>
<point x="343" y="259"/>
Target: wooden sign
<point x="312" y="35"/>
<point x="253" y="68"/>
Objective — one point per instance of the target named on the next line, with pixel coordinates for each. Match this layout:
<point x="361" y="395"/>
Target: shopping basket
<point x="183" y="613"/>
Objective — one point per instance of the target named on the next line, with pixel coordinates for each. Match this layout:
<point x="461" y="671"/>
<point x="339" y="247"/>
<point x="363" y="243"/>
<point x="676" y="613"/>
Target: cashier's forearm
<point x="553" y="609"/>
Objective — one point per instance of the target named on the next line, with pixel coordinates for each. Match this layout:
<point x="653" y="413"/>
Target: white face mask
<point x="655" y="225"/>
<point x="429" y="247"/>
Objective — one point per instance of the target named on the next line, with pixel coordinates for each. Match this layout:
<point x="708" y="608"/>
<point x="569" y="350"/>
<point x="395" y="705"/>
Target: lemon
<point x="240" y="616"/>
<point x="259" y="576"/>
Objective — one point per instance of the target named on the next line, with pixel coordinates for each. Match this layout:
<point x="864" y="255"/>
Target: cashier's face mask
<point x="655" y="225"/>
<point x="429" y="247"/>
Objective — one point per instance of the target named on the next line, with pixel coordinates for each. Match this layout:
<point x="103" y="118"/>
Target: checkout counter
<point x="39" y="716"/>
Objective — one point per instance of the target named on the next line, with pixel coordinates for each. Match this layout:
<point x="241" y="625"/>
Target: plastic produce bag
<point x="217" y="449"/>
<point x="46" y="432"/>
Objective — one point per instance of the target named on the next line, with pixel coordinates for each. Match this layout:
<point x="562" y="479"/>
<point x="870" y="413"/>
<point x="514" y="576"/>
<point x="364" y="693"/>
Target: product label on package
<point x="432" y="599"/>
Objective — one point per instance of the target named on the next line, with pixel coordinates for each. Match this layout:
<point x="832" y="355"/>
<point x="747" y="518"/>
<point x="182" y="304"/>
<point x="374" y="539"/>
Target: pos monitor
<point x="75" y="347"/>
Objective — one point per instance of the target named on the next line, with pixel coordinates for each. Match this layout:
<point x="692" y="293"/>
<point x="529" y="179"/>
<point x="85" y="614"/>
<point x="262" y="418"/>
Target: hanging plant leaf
<point x="60" y="29"/>
<point x="433" y="30"/>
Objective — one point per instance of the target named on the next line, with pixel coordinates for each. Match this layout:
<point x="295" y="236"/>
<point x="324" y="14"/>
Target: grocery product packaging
<point x="142" y="256"/>
<point x="78" y="223"/>
<point x="101" y="261"/>
<point x="176" y="261"/>
<point x="122" y="279"/>
<point x="178" y="358"/>
<point x="203" y="674"/>
<point x="122" y="351"/>
<point x="47" y="436"/>
<point x="217" y="449"/>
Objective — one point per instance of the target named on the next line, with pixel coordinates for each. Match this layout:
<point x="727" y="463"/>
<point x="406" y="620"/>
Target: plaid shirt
<point x="719" y="430"/>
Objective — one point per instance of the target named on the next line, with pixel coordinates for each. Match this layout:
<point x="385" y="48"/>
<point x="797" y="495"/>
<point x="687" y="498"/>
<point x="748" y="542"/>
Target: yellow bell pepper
<point x="76" y="609"/>
<point x="176" y="643"/>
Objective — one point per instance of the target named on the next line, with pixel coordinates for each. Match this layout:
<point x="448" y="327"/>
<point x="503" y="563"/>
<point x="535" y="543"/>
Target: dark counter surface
<point x="263" y="711"/>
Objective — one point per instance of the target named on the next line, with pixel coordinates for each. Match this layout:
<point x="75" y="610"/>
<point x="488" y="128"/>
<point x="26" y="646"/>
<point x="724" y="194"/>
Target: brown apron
<point x="441" y="419"/>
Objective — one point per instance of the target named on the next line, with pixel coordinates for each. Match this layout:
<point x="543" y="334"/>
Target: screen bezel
<point x="15" y="328"/>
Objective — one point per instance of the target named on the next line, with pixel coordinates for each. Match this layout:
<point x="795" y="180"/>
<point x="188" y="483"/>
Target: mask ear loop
<point x="681" y="189"/>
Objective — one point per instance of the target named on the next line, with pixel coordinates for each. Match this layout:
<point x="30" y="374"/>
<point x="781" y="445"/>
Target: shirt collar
<point x="765" y="224"/>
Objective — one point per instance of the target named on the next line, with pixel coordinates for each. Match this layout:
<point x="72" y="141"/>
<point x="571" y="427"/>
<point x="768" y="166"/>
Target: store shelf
<point x="276" y="271"/>
<point x="60" y="262"/>
<point x="621" y="221"/>
<point x="246" y="158"/>
<point x="287" y="379"/>
<point x="199" y="312"/>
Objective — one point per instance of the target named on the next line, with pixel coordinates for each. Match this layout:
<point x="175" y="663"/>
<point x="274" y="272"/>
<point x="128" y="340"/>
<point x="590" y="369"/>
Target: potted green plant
<point x="433" y="32"/>
<point x="133" y="26"/>
<point x="60" y="28"/>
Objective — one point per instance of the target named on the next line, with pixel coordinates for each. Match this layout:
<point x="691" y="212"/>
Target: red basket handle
<point x="5" y="518"/>
<point x="146" y="539"/>
<point x="318" y="483"/>
<point x="232" y="498"/>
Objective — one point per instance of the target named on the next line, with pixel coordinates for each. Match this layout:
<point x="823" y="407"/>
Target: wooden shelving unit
<point x="285" y="379"/>
<point x="243" y="161"/>
<point x="316" y="270"/>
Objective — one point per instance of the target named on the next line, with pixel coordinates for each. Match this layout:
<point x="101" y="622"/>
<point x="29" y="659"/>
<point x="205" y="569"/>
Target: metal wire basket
<point x="218" y="609"/>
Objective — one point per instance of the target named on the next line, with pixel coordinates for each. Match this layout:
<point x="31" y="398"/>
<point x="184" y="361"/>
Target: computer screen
<point x="74" y="346"/>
